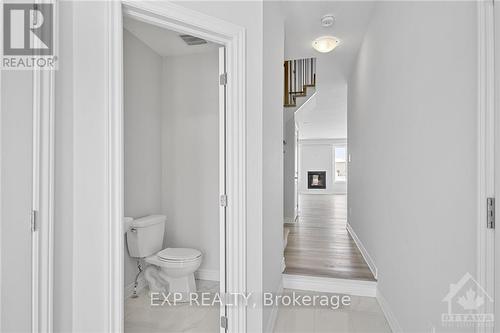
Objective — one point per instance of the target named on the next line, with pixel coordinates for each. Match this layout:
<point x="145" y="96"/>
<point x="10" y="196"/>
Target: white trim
<point x="308" y="98"/>
<point x="330" y="285"/>
<point x="335" y="142"/>
<point x="222" y="189"/>
<point x="368" y="259"/>
<point x="129" y="289"/>
<point x="389" y="315"/>
<point x="207" y="274"/>
<point x="46" y="202"/>
<point x="174" y="17"/>
<point x="43" y="196"/>
<point x="115" y="167"/>
<point x="1" y="167"/>
<point x="486" y="136"/>
<point x="273" y="317"/>
<point x="496" y="18"/>
<point x="35" y="206"/>
<point x="321" y="193"/>
<point x="289" y="220"/>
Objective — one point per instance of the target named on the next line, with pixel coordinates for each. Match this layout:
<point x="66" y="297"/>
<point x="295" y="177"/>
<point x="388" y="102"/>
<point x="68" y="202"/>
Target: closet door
<point x="16" y="200"/>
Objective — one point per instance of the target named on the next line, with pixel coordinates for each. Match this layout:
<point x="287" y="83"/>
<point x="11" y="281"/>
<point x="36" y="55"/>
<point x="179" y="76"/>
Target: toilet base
<point x="185" y="284"/>
<point x="160" y="282"/>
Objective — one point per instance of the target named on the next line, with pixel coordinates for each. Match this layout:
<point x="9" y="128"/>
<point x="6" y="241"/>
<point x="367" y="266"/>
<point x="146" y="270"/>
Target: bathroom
<point x="172" y="149"/>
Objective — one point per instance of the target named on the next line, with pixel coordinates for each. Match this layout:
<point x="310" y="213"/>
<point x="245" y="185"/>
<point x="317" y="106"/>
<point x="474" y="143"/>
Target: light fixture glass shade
<point x="325" y="44"/>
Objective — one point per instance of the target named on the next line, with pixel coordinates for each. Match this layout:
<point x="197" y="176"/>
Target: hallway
<point x="319" y="244"/>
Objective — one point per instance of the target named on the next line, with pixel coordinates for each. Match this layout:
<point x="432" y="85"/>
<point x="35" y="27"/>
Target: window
<point x="340" y="164"/>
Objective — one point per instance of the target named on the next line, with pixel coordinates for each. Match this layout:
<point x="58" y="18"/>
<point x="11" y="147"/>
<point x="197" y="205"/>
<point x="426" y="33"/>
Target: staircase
<point x="300" y="75"/>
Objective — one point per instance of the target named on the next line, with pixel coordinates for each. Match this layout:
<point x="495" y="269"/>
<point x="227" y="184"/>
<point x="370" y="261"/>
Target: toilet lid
<point x="178" y="254"/>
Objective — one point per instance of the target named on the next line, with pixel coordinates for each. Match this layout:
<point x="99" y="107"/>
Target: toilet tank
<point x="145" y="236"/>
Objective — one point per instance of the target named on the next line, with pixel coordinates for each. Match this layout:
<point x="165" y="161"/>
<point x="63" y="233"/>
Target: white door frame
<point x="496" y="19"/>
<point x="43" y="201"/>
<point x="178" y="18"/>
<point x="222" y="182"/>
<point x="486" y="149"/>
<point x="43" y="182"/>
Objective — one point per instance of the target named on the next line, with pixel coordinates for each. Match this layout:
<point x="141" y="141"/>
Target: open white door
<point x="222" y="182"/>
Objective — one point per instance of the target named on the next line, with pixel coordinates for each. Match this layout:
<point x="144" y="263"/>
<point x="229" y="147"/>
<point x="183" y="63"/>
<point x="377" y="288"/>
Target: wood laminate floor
<point x="319" y="244"/>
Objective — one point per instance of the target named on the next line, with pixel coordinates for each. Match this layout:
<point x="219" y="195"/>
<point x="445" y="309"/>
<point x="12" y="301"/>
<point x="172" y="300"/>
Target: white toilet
<point x="171" y="269"/>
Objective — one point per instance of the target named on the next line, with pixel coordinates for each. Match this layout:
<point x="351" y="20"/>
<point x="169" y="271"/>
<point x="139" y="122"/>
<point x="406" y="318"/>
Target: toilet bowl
<point x="177" y="267"/>
<point x="170" y="269"/>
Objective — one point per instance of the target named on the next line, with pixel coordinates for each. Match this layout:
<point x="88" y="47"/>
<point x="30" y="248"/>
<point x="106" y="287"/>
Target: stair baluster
<point x="299" y="74"/>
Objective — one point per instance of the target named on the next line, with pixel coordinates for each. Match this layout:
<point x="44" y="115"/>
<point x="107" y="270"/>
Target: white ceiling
<point x="328" y="118"/>
<point x="162" y="41"/>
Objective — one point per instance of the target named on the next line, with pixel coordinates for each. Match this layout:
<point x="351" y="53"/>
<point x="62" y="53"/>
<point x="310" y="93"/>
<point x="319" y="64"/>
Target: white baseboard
<point x="207" y="274"/>
<point x="389" y="315"/>
<point x="129" y="289"/>
<point x="289" y="220"/>
<point x="364" y="252"/>
<point x="330" y="285"/>
<point x="273" y="317"/>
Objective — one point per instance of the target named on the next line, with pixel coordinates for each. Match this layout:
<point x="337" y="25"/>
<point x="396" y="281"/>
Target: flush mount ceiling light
<point x="325" y="44"/>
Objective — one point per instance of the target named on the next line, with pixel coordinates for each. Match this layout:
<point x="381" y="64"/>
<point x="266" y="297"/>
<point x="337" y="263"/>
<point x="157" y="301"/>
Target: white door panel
<point x="16" y="201"/>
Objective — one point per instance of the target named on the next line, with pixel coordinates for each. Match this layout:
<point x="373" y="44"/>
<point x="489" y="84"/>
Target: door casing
<point x="486" y="152"/>
<point x="232" y="37"/>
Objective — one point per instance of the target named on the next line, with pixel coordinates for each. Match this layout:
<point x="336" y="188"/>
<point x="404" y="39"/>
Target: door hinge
<point x="34" y="220"/>
<point x="223" y="322"/>
<point x="223" y="79"/>
<point x="490" y="213"/>
<point x="223" y="200"/>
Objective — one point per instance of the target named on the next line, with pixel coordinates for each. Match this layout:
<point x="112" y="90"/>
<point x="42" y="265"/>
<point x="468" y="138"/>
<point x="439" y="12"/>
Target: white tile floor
<point x="363" y="315"/>
<point x="140" y="317"/>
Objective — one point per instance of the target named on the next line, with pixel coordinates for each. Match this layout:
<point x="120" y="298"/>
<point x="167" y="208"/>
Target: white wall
<point x="289" y="137"/>
<point x="190" y="154"/>
<point x="142" y="134"/>
<point x="319" y="155"/>
<point x="413" y="98"/>
<point x="326" y="118"/>
<point x="272" y="198"/>
<point x="90" y="268"/>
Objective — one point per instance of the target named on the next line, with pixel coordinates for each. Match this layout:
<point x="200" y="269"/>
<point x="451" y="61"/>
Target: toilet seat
<point x="172" y="254"/>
